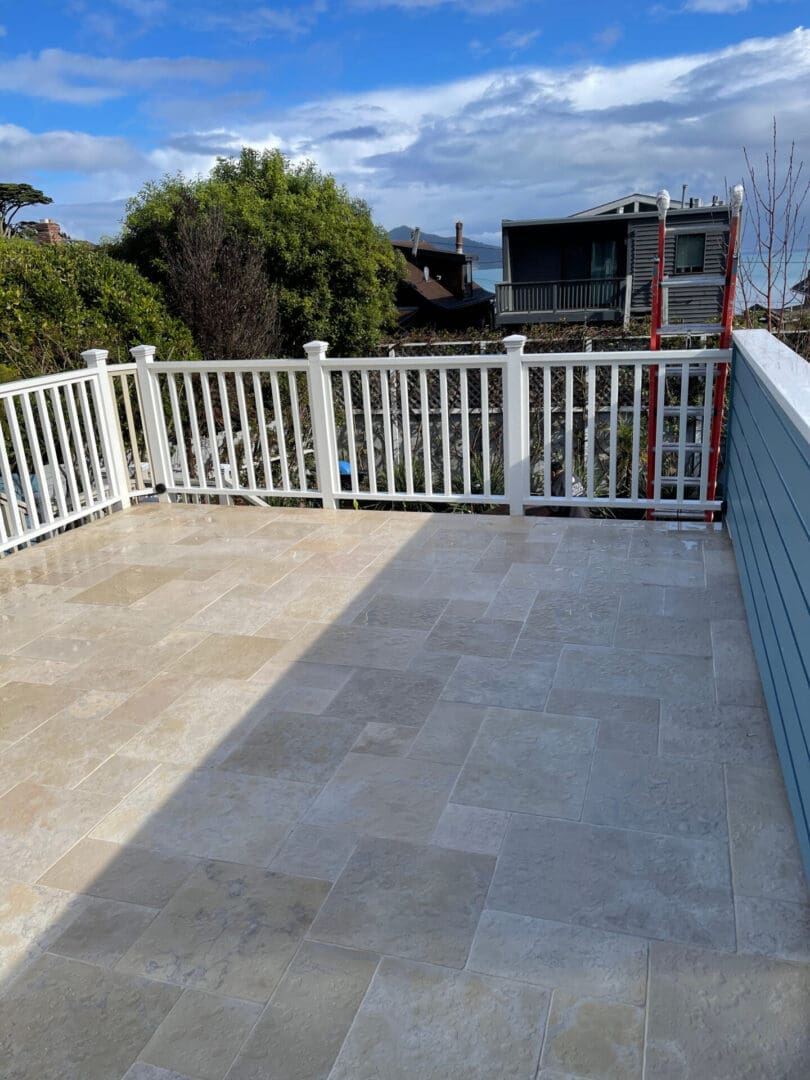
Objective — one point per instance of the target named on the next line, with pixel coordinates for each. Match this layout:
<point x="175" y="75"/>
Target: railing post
<point x="322" y="422"/>
<point x="96" y="360"/>
<point x="628" y="296"/>
<point x="144" y="356"/>
<point x="515" y="426"/>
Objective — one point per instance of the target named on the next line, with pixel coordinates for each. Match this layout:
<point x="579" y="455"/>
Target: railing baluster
<point x="79" y="449"/>
<point x="485" y="431"/>
<point x="368" y="423"/>
<point x="387" y="440"/>
<point x="569" y="430"/>
<point x="292" y="377"/>
<point x="227" y="424"/>
<point x="406" y="429"/>
<point x="348" y="408"/>
<point x="682" y="424"/>
<point x="546" y="430"/>
<point x="590" y="374"/>
<point x="247" y="438"/>
<point x="44" y="505"/>
<point x="659" y="432"/>
<point x="53" y="457"/>
<point x="191" y="404"/>
<point x="614" y="421"/>
<point x="9" y="487"/>
<point x="638" y="371"/>
<point x="465" y="431"/>
<point x="705" y="452"/>
<point x="261" y="420"/>
<point x="23" y="468"/>
<point x="447" y="475"/>
<point x="89" y="431"/>
<point x="179" y="434"/>
<point x="424" y="408"/>
<point x="213" y="445"/>
<point x="65" y="447"/>
<point x="278" y="416"/>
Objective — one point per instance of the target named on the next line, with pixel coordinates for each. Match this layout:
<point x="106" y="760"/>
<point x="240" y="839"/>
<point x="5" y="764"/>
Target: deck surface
<point x="299" y="794"/>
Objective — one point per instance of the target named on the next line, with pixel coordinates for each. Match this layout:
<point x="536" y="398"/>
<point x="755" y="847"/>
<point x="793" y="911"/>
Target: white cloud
<point x="516" y="41"/>
<point x="528" y="142"/>
<point x="22" y="151"/>
<point x="476" y="7"/>
<point x="263" y="22"/>
<point x="717" y="7"/>
<point x="69" y="77"/>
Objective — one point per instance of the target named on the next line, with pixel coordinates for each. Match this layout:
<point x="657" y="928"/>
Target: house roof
<point x="616" y="204"/>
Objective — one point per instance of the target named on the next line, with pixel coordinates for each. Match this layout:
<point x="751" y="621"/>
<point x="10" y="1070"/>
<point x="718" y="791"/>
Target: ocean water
<point x="488" y="278"/>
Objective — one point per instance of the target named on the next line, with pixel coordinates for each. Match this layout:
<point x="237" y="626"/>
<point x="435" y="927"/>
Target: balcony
<point x="591" y="299"/>
<point x="302" y="791"/>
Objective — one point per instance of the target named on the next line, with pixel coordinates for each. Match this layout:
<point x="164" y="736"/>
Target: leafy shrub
<point x="56" y="302"/>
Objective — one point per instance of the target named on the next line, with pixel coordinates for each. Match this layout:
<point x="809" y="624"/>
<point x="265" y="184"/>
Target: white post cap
<point x="662" y="201"/>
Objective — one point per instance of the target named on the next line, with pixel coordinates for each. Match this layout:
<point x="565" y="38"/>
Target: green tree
<point x="13" y="197"/>
<point x="57" y="301"/>
<point x="333" y="270"/>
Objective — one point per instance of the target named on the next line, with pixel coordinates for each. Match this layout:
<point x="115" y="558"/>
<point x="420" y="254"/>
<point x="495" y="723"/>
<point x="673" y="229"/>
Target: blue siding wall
<point x="767" y="486"/>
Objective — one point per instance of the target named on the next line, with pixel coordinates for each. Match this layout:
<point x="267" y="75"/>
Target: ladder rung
<point x="698" y="227"/>
<point x="695" y="279"/>
<point x="689" y="448"/>
<point x="682" y="329"/>
<point x="675" y="410"/>
<point x="671" y="481"/>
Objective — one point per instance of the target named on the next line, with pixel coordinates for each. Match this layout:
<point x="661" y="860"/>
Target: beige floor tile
<point x="31" y="917"/>
<point x="230" y="929"/>
<point x="90" y="1023"/>
<point x="208" y="813"/>
<point x="117" y="872"/>
<point x="24" y="706"/>
<point x="39" y="824"/>
<point x="228" y="656"/>
<point x="127" y="586"/>
<point x="203" y="724"/>
<point x="310" y="1013"/>
<point x="202" y="1034"/>
<point x="103" y="931"/>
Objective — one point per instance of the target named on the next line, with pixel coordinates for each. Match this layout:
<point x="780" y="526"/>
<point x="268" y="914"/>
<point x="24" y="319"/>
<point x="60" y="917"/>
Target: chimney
<point x="415" y="237"/>
<point x="47" y="232"/>
<point x="683" y="196"/>
<point x="459" y="238"/>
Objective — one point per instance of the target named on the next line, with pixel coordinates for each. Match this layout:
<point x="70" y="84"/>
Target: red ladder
<point x="660" y="282"/>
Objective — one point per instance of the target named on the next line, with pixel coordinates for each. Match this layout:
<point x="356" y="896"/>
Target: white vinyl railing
<point x="509" y="429"/>
<point x="56" y="454"/>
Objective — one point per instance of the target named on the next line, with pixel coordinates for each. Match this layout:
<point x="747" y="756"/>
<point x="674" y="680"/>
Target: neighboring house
<point x="597" y="265"/>
<point x="439" y="290"/>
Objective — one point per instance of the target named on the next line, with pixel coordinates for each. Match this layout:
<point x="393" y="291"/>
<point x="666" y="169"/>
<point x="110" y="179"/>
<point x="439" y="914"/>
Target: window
<point x="689" y="251"/>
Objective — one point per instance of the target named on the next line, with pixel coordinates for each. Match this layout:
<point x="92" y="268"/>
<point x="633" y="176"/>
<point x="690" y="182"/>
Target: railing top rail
<point x="122" y="369"/>
<point x="358" y="363"/>
<point x="784" y="372"/>
<point x="565" y="281"/>
<point x="631" y="356"/>
<point x="43" y="382"/>
<point x="298" y="364"/>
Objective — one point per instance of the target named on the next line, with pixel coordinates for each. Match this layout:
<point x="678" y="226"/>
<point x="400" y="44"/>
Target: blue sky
<point x="429" y="109"/>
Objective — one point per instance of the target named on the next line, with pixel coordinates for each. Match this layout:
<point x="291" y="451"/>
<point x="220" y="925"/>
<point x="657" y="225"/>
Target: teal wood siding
<point x="768" y="493"/>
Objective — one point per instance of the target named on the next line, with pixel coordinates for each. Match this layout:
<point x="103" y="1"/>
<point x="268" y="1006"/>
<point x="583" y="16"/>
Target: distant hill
<point x="490" y="256"/>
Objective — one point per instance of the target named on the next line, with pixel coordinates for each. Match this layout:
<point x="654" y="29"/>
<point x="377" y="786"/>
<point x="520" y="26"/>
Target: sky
<point x="430" y="110"/>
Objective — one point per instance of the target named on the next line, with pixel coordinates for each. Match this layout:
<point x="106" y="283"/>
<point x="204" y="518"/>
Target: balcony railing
<point x="462" y="429"/>
<point x="586" y="294"/>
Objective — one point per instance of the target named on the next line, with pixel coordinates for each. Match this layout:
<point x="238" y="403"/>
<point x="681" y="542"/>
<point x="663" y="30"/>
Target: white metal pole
<point x="515" y="426"/>
<point x="322" y="424"/>
<point x="96" y="360"/>
<point x="156" y="439"/>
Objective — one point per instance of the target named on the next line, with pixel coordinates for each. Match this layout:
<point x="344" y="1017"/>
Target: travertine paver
<point x="321" y="795"/>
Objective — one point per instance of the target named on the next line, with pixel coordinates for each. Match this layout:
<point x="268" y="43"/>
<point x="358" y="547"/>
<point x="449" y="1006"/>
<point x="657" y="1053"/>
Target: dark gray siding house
<point x="597" y="265"/>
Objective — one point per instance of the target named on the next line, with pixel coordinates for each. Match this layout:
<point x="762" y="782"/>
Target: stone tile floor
<point x="299" y="794"/>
